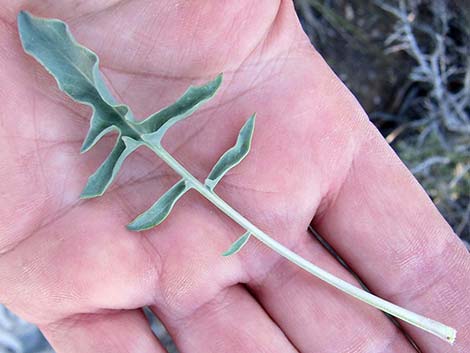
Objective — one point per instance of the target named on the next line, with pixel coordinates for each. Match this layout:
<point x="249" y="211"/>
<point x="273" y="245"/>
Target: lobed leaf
<point x="76" y="71"/>
<point x="234" y="155"/>
<point x="238" y="244"/>
<point x="160" y="209"/>
<point x="194" y="97"/>
<point x="156" y="125"/>
<point x="75" y="68"/>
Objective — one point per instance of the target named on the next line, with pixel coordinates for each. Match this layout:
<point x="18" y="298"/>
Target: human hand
<point x="72" y="267"/>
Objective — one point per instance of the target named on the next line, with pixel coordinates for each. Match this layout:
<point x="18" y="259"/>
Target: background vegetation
<point x="408" y="63"/>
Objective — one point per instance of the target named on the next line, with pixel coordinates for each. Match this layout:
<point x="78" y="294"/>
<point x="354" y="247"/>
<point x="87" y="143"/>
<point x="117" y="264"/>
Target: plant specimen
<point x="76" y="71"/>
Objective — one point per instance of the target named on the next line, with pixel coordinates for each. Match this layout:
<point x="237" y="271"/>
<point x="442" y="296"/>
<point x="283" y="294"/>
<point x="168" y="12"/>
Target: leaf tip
<point x="230" y="252"/>
<point x="218" y="79"/>
<point x="137" y="226"/>
<point x="90" y="192"/>
<point x="85" y="196"/>
<point x="141" y="223"/>
<point x="214" y="85"/>
<point x="85" y="147"/>
<point x="249" y="127"/>
<point x="23" y="16"/>
<point x="132" y="227"/>
<point x="252" y="120"/>
<point x="22" y="20"/>
<point x="237" y="245"/>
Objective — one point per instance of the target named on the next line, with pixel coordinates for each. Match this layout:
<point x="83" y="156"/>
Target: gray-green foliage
<point x="234" y="155"/>
<point x="238" y="244"/>
<point x="160" y="209"/>
<point x="76" y="70"/>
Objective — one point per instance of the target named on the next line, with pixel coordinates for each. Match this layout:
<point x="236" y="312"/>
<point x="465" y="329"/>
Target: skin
<point x="71" y="266"/>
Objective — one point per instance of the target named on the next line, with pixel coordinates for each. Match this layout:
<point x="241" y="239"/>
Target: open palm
<point x="72" y="267"/>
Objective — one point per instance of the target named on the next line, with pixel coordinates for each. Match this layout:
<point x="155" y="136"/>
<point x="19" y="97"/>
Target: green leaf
<point x="234" y="155"/>
<point x="99" y="181"/>
<point x="76" y="71"/>
<point x="156" y="125"/>
<point x="238" y="244"/>
<point x="160" y="209"/>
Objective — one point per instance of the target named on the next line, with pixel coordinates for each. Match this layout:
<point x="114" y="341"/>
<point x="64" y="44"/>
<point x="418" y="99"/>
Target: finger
<point x="231" y="322"/>
<point x="93" y="265"/>
<point x="384" y="225"/>
<point x="312" y="313"/>
<point x="125" y="331"/>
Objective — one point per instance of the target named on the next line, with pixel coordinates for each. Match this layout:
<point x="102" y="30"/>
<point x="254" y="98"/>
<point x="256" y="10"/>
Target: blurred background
<point x="408" y="63"/>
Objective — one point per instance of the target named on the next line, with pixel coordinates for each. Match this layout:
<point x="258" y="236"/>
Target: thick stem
<point x="436" y="328"/>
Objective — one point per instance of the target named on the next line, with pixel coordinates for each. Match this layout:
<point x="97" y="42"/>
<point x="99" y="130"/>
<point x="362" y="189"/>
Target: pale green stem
<point x="436" y="328"/>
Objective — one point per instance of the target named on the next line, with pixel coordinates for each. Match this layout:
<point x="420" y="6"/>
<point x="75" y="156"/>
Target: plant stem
<point x="436" y="328"/>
